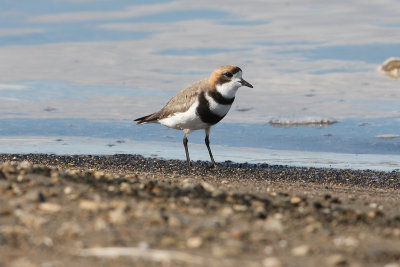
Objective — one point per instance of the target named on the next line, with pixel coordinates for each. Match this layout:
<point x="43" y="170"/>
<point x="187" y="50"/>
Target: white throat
<point x="228" y="90"/>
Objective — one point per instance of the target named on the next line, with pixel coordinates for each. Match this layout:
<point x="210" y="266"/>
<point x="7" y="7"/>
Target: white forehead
<point x="238" y="74"/>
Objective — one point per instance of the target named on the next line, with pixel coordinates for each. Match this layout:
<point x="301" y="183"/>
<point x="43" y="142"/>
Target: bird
<point x="200" y="105"/>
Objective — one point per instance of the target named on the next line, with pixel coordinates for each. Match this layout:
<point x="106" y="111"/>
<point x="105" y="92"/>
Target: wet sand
<point x="126" y="210"/>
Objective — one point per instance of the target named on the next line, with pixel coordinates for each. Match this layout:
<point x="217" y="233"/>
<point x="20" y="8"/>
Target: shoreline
<point x="126" y="163"/>
<point x="62" y="209"/>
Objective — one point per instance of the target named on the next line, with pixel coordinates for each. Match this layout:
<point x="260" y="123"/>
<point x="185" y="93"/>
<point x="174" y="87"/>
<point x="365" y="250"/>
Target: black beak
<point x="243" y="82"/>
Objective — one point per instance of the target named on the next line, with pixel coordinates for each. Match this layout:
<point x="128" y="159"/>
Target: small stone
<point x="373" y="205"/>
<point x="21" y="177"/>
<point x="13" y="232"/>
<point x="98" y="174"/>
<point x="157" y="190"/>
<point x="301" y="250"/>
<point x="268" y="250"/>
<point x="91" y="205"/>
<point x="16" y="189"/>
<point x="47" y="264"/>
<point x="346" y="241"/>
<point x="143" y="245"/>
<point x="22" y="262"/>
<point x="225" y="251"/>
<point x="392" y="264"/>
<point x="111" y="188"/>
<point x="174" y="221"/>
<point x="118" y="204"/>
<point x="25" y="165"/>
<point x="336" y="260"/>
<point x="194" y="242"/>
<point x="125" y="187"/>
<point x="117" y="216"/>
<point x="238" y="234"/>
<point x="70" y="229"/>
<point x="100" y="224"/>
<point x="68" y="190"/>
<point x="54" y="175"/>
<point x="283" y="243"/>
<point x="396" y="232"/>
<point x="34" y="196"/>
<point x="226" y="211"/>
<point x="240" y="208"/>
<point x="168" y="241"/>
<point x="49" y="207"/>
<point x="28" y="219"/>
<point x="208" y="186"/>
<point x="313" y="227"/>
<point x="295" y="200"/>
<point x="375" y="213"/>
<point x="260" y="212"/>
<point x="44" y="241"/>
<point x="273" y="225"/>
<point x="219" y="194"/>
<point x="272" y="262"/>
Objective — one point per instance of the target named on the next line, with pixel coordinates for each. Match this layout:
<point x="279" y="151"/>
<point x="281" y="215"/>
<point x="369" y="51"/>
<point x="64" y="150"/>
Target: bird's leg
<point x="185" y="144"/>
<point x="207" y="141"/>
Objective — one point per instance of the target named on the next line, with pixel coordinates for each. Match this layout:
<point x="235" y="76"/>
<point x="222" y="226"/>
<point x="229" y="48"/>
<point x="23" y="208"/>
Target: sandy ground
<point x="126" y="210"/>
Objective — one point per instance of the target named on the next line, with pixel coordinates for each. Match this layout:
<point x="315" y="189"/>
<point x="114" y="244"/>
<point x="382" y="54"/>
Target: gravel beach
<point x="126" y="210"/>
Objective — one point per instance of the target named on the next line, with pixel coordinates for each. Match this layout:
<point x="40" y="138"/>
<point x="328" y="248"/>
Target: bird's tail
<point x="152" y="118"/>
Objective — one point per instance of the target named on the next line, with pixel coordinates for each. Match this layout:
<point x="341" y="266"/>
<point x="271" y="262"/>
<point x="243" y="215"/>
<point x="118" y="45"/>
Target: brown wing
<point x="183" y="99"/>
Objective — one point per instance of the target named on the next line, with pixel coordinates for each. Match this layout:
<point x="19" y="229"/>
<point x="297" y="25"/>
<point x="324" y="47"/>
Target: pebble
<point x="194" y="242"/>
<point x="49" y="207"/>
<point x="260" y="212"/>
<point x="301" y="250"/>
<point x="336" y="260"/>
<point x="117" y="216"/>
<point x="13" y="232"/>
<point x="295" y="200"/>
<point x="272" y="262"/>
<point x="91" y="205"/>
<point x="273" y="225"/>
<point x="125" y="187"/>
<point x="168" y="241"/>
<point x="70" y="229"/>
<point x="225" y="251"/>
<point x="208" y="186"/>
<point x="226" y="211"/>
<point x="28" y="219"/>
<point x="349" y="241"/>
<point x="240" y="208"/>
<point x="100" y="224"/>
<point x="68" y="190"/>
<point x="174" y="221"/>
<point x="313" y="227"/>
<point x="34" y="195"/>
<point x="268" y="250"/>
<point x="373" y="205"/>
<point x="22" y="262"/>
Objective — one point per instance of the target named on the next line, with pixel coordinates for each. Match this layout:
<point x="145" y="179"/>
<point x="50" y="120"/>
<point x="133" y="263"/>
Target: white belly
<point x="185" y="120"/>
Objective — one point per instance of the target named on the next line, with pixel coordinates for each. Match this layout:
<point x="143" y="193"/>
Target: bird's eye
<point x="228" y="74"/>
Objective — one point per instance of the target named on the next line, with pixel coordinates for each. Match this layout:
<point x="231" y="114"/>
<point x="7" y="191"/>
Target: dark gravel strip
<point x="274" y="173"/>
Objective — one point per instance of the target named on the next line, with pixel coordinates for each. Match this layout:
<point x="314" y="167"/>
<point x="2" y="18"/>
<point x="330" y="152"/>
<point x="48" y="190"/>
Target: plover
<point x="201" y="105"/>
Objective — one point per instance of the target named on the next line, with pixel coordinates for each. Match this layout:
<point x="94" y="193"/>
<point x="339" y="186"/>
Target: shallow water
<point x="80" y="71"/>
